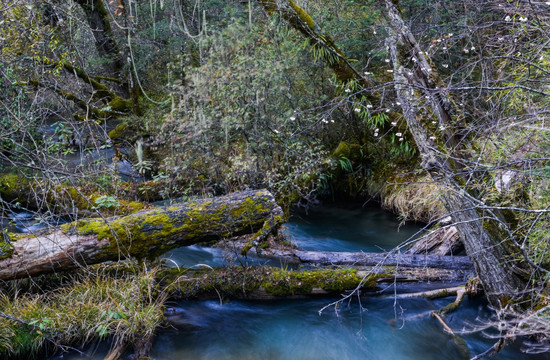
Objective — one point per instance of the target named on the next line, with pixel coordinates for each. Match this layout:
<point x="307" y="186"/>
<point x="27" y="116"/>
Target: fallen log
<point x="384" y="259"/>
<point x="146" y="234"/>
<point x="267" y="282"/>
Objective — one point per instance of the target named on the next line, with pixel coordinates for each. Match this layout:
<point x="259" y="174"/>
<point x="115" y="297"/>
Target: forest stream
<point x="379" y="327"/>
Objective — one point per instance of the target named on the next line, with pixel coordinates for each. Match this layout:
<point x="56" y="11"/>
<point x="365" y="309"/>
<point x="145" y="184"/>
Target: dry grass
<point x="414" y="200"/>
<point x="99" y="306"/>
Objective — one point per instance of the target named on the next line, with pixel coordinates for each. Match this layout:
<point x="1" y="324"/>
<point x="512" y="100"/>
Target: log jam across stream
<point x="382" y="328"/>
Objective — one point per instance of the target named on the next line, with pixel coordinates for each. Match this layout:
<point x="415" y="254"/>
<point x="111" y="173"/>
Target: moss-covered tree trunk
<point x="146" y="234"/>
<point x="494" y="264"/>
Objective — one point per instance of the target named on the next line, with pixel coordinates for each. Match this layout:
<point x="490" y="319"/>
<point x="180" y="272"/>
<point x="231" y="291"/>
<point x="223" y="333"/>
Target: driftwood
<point x="146" y="234"/>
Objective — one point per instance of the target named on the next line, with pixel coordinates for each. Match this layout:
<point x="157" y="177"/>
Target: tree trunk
<point x="299" y="19"/>
<point x="106" y="46"/>
<point x="146" y="234"/>
<point x="493" y="263"/>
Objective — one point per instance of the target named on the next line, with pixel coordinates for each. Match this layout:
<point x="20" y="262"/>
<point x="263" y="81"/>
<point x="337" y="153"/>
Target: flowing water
<point x="375" y="328"/>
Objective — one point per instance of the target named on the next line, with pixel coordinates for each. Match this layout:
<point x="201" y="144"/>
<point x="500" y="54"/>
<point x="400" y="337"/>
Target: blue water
<point x="345" y="227"/>
<point x="374" y="328"/>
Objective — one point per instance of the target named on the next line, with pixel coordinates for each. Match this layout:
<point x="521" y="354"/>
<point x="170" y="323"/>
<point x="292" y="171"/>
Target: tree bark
<point x="146" y="234"/>
<point x="442" y="241"/>
<point x="372" y="259"/>
<point x="493" y="263"/>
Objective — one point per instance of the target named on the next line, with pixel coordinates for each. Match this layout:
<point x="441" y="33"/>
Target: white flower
<point x="507" y="18"/>
<point x="410" y="73"/>
<point x="347" y="90"/>
<point x="374" y="32"/>
<point x="324" y="121"/>
<point x="444" y="48"/>
<point x="442" y="128"/>
<point x="390" y="71"/>
<point x="434" y="122"/>
<point x="367" y="73"/>
<point x="387" y="60"/>
<point x="445" y="65"/>
<point x="523" y="19"/>
<point x="414" y="60"/>
<point x="420" y="52"/>
<point x="398" y="103"/>
<point x="432" y="137"/>
<point x="398" y="134"/>
<point x="292" y="118"/>
<point x="466" y="50"/>
<point x="401" y="139"/>
<point x="500" y="39"/>
<point x="276" y="131"/>
<point x="450" y="34"/>
<point x="369" y="106"/>
<point x="376" y="130"/>
<point x="427" y="97"/>
<point x="357" y="110"/>
<point x="375" y="134"/>
<point x="461" y="104"/>
<point x="387" y="110"/>
<point x="393" y="123"/>
<point x="473" y="48"/>
<point x="331" y="120"/>
<point x="438" y="40"/>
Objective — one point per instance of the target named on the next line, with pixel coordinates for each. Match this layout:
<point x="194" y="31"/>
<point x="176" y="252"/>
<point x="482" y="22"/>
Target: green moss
<point x="288" y="283"/>
<point x="14" y="187"/>
<point x="117" y="131"/>
<point x="302" y="14"/>
<point x="151" y="233"/>
<point x="6" y="247"/>
<point x="120" y="104"/>
<point x="241" y="282"/>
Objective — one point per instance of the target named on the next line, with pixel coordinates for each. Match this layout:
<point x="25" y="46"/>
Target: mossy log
<point x="146" y="234"/>
<point x="271" y="283"/>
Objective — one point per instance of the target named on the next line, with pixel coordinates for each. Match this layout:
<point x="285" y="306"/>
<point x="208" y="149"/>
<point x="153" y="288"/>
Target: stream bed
<point x="373" y="328"/>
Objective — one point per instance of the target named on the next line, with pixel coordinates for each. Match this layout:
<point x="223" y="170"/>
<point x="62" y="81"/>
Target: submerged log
<point x="146" y="234"/>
